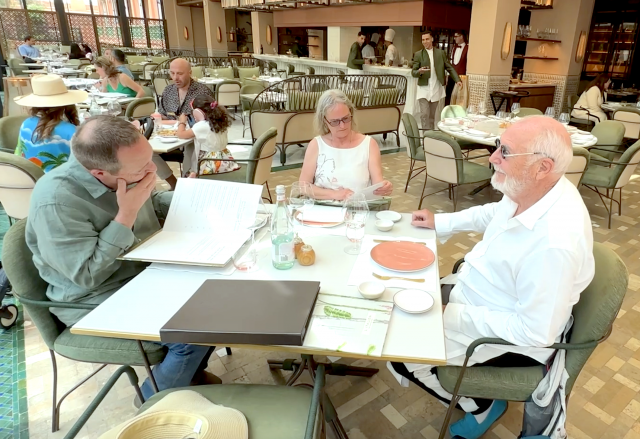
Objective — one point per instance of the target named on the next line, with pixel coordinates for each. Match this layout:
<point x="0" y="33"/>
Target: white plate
<point x="455" y="129"/>
<point x="477" y="133"/>
<point x="413" y="301"/>
<point x="168" y="139"/>
<point x="389" y="215"/>
<point x="451" y="122"/>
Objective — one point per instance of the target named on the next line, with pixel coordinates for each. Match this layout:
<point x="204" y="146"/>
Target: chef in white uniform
<point x="368" y="51"/>
<point x="391" y="57"/>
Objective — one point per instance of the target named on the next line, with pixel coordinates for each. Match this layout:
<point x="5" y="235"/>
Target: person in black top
<point x="76" y="52"/>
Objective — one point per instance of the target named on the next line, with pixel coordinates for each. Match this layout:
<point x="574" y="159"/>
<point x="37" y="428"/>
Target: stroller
<point x="8" y="313"/>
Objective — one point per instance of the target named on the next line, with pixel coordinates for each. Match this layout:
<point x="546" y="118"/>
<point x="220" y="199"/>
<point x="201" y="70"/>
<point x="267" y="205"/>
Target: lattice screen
<point x="82" y="30"/>
<point x="15" y="24"/>
<point x="108" y="30"/>
<point x="156" y="34"/>
<point x="138" y="32"/>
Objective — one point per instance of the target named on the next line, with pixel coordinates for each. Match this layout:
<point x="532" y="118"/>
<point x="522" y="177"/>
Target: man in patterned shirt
<point x="177" y="96"/>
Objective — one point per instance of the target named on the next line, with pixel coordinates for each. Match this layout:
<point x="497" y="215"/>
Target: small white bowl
<point x="168" y="139"/>
<point x="371" y="289"/>
<point x="389" y="215"/>
<point x="384" y="225"/>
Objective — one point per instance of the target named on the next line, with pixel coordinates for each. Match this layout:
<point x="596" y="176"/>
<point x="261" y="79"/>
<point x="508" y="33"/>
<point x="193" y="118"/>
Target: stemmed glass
<point x="356" y="212"/>
<point x="471" y="115"/>
<point x="564" y="119"/>
<point x="501" y="115"/>
<point x="482" y="108"/>
<point x="300" y="200"/>
<point x="550" y="112"/>
<point x="515" y="108"/>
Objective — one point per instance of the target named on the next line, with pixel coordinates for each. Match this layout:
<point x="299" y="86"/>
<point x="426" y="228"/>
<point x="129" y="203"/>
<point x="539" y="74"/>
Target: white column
<point x="260" y="21"/>
<point x="339" y="41"/>
<point x="214" y="18"/>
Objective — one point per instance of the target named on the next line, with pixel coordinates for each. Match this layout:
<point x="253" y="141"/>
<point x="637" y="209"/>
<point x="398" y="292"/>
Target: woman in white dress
<point x="591" y="100"/>
<point x="341" y="161"/>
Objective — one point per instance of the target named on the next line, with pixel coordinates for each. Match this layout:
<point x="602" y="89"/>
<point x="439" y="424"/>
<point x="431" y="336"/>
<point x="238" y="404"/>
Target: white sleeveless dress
<point x="343" y="168"/>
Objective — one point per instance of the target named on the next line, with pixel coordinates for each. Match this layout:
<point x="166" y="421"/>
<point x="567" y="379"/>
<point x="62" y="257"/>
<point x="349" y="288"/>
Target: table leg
<point x="330" y="368"/>
<point x="479" y="188"/>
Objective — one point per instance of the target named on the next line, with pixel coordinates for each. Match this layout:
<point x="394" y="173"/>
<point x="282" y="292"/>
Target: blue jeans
<point x="178" y="367"/>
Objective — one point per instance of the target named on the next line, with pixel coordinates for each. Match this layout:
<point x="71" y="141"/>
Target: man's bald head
<point x="542" y="135"/>
<point x="180" y="71"/>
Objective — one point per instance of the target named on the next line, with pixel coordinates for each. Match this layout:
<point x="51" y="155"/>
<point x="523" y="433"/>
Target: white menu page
<point x="207" y="223"/>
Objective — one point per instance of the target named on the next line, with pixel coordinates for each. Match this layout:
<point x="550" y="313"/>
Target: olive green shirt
<point x="355" y="60"/>
<point x="75" y="240"/>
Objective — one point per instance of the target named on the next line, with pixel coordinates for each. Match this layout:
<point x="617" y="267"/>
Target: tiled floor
<point x="605" y="402"/>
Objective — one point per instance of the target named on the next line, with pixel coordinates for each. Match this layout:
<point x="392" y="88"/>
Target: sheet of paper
<point x="211" y="206"/>
<point x="227" y="270"/>
<point x="190" y="248"/>
<point x="368" y="192"/>
<point x="349" y="324"/>
<point x="323" y="214"/>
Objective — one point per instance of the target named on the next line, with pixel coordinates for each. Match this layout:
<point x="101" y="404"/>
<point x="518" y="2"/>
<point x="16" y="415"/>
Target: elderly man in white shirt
<point x="521" y="281"/>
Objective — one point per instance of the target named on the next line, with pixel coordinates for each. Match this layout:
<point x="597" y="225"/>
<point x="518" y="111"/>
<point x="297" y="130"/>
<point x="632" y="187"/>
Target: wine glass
<point x="356" y="212"/>
<point x="501" y="115"/>
<point x="482" y="108"/>
<point x="551" y="112"/>
<point x="471" y="110"/>
<point x="564" y="119"/>
<point x="300" y="200"/>
<point x="114" y="108"/>
<point x="515" y="108"/>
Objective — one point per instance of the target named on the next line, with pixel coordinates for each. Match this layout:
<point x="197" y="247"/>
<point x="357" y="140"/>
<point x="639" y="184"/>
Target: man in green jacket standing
<point x="429" y="65"/>
<point x="355" y="60"/>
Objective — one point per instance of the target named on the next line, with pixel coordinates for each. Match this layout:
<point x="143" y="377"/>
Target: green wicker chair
<point x="445" y="163"/>
<point x="31" y="290"/>
<point x="291" y="71"/>
<point x="415" y="151"/>
<point x="223" y="72"/>
<point x="246" y="104"/>
<point x="453" y="111"/>
<point x="9" y="132"/>
<point x="258" y="166"/>
<point x="141" y="107"/>
<point x="611" y="175"/>
<point x="593" y="316"/>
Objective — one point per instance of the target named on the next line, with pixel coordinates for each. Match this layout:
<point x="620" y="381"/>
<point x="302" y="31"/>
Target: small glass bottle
<point x="307" y="256"/>
<point x="282" y="254"/>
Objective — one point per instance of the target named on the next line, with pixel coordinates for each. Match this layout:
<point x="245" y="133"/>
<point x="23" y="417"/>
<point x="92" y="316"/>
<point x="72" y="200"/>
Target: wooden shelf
<point x="534" y="57"/>
<point x="537" y="39"/>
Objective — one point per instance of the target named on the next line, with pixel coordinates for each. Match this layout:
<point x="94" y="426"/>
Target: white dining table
<point x="160" y="147"/>
<point x="149" y="300"/>
<point x="491" y="127"/>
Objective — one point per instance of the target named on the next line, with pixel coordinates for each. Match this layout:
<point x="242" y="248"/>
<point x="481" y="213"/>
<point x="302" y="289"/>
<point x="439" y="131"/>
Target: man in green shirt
<point x="355" y="60"/>
<point x="86" y="213"/>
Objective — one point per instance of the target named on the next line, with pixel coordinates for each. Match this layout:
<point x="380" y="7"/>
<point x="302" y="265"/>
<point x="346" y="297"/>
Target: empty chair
<point x="16" y="68"/>
<point x="444" y="162"/>
<point x="9" y="132"/>
<point x="310" y="70"/>
<point x="247" y="72"/>
<point x="228" y="93"/>
<point x="291" y="71"/>
<point x="526" y="111"/>
<point x="141" y="107"/>
<point x="613" y="176"/>
<point x="248" y="104"/>
<point x="18" y="177"/>
<point x="453" y="111"/>
<point x="630" y="118"/>
<point x="610" y="135"/>
<point x="222" y="72"/>
<point x="13" y="87"/>
<point x="415" y="151"/>
<point x="578" y="166"/>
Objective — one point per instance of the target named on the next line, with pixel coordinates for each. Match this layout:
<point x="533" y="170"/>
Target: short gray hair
<point x="328" y="99"/>
<point x="97" y="141"/>
<point x="553" y="145"/>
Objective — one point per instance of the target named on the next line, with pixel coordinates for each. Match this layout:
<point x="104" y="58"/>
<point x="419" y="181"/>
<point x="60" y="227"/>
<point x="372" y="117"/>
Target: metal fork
<point x="379" y="276"/>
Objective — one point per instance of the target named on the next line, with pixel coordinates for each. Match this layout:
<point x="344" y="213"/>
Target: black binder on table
<point x="254" y="312"/>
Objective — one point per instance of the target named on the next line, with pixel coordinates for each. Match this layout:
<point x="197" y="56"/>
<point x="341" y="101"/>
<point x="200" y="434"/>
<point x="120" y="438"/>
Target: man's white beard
<point x="511" y="187"/>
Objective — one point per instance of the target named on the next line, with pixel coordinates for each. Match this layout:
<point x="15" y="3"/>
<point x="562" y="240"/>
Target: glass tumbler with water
<point x="564" y="119"/>
<point x="246" y="258"/>
<point x="356" y="212"/>
<point x="550" y="112"/>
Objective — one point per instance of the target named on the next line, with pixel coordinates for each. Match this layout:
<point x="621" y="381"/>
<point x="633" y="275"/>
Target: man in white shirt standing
<point x="391" y="57"/>
<point x="429" y="66"/>
<point x="521" y="281"/>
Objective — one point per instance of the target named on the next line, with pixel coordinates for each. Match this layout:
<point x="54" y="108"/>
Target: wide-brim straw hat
<point x="50" y="91"/>
<point x="180" y="413"/>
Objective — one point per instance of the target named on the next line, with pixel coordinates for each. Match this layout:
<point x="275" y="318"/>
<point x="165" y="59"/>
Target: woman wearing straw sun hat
<point x="45" y="137"/>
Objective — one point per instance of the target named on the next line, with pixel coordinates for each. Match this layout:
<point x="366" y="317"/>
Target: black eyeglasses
<point x="504" y="152"/>
<point x="336" y="122"/>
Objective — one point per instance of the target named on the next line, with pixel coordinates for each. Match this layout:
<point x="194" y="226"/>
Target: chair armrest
<point x="565" y="346"/>
<point x="48" y="304"/>
<point x="480" y="156"/>
<point x="599" y="147"/>
<point x="611" y="162"/>
<point x="315" y="401"/>
<point x="457" y="265"/>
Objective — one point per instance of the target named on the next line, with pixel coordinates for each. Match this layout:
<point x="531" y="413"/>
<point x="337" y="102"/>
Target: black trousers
<point x="508" y="359"/>
<point x="449" y="90"/>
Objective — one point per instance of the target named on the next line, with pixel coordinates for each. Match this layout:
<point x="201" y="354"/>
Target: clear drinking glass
<point x="551" y="112"/>
<point x="300" y="199"/>
<point x="482" y="108"/>
<point x="564" y="118"/>
<point x="501" y="115"/>
<point x="515" y="108"/>
<point x="114" y="108"/>
<point x="356" y="212"/>
<point x="246" y="258"/>
<point x="471" y="110"/>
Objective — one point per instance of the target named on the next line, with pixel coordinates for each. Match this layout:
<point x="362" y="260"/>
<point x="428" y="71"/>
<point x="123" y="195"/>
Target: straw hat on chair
<point x="50" y="91"/>
<point x="180" y="413"/>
